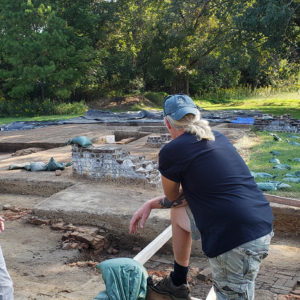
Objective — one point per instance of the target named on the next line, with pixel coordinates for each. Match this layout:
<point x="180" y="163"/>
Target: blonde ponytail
<point x="193" y="124"/>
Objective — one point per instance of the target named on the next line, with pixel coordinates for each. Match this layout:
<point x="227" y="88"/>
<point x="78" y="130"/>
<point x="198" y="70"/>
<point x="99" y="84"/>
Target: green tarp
<point x="125" y="279"/>
<point x="82" y="141"/>
<point x="52" y="165"/>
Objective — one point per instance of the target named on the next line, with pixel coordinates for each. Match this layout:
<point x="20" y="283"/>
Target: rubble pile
<point x="111" y="163"/>
<point x="157" y="141"/>
<point x="283" y="123"/>
<point x="77" y="237"/>
<point x="12" y="212"/>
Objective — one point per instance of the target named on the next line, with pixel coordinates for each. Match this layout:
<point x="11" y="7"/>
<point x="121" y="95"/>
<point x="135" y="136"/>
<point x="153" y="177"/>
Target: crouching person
<point x="211" y="194"/>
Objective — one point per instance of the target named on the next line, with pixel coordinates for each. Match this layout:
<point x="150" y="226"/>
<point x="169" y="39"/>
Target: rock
<point x="81" y="264"/>
<point x="58" y="226"/>
<point x="92" y="264"/>
<point x="205" y="274"/>
<point x="88" y="230"/>
<point x="58" y="173"/>
<point x="109" y="250"/>
<point x="115" y="251"/>
<point x="36" y="221"/>
<point x="264" y="295"/>
<point x="296" y="292"/>
<point x="149" y="167"/>
<point x="83" y="246"/>
<point x="136" y="249"/>
<point x="6" y="206"/>
<point x="99" y="243"/>
<point x="70" y="227"/>
<point x="66" y="246"/>
<point x="16" y="209"/>
<point x="84" y="238"/>
<point x="65" y="236"/>
<point x="128" y="163"/>
<point x="73" y="245"/>
<point x="112" y="250"/>
<point x="27" y="151"/>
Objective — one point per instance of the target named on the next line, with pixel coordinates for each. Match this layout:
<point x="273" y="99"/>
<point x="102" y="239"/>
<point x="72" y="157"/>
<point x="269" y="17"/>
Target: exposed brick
<point x="114" y="164"/>
<point x="266" y="286"/>
<point x="279" y="291"/>
<point x="291" y="283"/>
<point x="265" y="279"/>
<point x="280" y="282"/>
<point x="283" y="276"/>
<point x="287" y="273"/>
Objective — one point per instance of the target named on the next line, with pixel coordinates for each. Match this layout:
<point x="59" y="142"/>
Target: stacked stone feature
<point x="110" y="163"/>
<point x="278" y="123"/>
<point x="157" y="141"/>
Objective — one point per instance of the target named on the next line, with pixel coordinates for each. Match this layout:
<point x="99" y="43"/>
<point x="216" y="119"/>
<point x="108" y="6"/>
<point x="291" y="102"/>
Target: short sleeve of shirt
<point x="167" y="166"/>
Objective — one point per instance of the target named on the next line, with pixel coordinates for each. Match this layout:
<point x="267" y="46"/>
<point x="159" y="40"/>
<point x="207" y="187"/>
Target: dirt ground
<point x="41" y="269"/>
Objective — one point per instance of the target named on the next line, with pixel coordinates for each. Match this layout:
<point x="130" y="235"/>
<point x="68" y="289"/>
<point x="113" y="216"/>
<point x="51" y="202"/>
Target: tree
<point x="41" y="56"/>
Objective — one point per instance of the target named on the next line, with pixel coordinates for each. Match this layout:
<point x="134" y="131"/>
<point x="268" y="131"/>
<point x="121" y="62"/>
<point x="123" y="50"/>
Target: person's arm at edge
<point x="174" y="198"/>
<point x="1" y="224"/>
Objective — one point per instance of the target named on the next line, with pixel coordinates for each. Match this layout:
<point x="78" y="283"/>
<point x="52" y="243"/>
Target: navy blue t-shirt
<point x="227" y="205"/>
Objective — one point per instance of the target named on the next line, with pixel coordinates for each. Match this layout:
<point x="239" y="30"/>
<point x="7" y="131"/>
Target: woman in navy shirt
<point x="210" y="190"/>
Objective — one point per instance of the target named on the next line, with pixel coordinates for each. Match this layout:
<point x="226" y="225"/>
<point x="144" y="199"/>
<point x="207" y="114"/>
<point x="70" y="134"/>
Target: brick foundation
<point x="110" y="163"/>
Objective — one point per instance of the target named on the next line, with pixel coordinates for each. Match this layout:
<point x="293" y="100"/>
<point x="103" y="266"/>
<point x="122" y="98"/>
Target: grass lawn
<point x="40" y="118"/>
<point x="287" y="103"/>
<point x="260" y="156"/>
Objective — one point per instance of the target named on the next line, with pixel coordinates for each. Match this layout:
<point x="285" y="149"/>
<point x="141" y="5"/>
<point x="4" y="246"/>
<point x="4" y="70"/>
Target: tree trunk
<point x="187" y="84"/>
<point x="42" y="90"/>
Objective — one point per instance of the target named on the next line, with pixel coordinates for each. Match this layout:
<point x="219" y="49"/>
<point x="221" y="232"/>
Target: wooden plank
<point x="143" y="256"/>
<point x="211" y="295"/>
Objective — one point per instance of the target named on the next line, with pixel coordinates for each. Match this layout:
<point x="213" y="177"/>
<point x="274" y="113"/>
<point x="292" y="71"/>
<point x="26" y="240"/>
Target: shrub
<point x="156" y="97"/>
<point x="225" y="95"/>
<point x="29" y="108"/>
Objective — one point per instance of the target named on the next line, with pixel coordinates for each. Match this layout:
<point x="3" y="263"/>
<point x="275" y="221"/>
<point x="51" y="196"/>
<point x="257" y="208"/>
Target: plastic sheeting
<point x="92" y="116"/>
<point x="241" y="120"/>
<point x="125" y="279"/>
<point x="142" y="117"/>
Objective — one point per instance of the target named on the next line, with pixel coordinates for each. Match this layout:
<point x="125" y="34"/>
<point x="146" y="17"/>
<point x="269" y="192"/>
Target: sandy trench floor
<point x="40" y="269"/>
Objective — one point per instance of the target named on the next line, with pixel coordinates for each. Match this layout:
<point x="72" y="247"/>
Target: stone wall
<point x="110" y="163"/>
<point x="156" y="141"/>
<point x="283" y="123"/>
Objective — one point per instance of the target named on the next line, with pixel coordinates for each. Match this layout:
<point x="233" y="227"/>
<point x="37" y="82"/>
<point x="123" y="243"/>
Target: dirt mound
<point x="120" y="103"/>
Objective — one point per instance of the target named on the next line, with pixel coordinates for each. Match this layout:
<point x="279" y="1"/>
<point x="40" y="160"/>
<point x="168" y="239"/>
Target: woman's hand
<point x="140" y="217"/>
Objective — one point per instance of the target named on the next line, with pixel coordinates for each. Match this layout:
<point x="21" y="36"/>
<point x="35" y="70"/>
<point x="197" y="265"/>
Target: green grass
<point x="278" y="104"/>
<point x="260" y="156"/>
<point x="39" y="118"/>
<point x="285" y="103"/>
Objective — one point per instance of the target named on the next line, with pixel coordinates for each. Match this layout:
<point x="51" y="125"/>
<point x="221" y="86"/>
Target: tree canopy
<point x="73" y="49"/>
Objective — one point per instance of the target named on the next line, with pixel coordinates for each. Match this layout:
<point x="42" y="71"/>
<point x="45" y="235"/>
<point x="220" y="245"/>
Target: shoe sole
<point x="169" y="295"/>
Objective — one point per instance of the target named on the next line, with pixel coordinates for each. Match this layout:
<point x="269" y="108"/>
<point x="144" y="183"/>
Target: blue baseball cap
<point x="178" y="105"/>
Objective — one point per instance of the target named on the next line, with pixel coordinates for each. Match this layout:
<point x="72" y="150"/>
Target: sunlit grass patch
<point x="39" y="118"/>
<point x="258" y="161"/>
<point x="285" y="103"/>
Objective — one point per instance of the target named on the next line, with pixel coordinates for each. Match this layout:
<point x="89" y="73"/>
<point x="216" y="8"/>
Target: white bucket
<point x="110" y="139"/>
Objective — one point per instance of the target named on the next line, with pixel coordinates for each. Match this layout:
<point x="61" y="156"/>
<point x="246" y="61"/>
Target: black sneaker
<point x="167" y="287"/>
